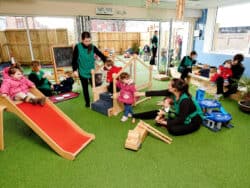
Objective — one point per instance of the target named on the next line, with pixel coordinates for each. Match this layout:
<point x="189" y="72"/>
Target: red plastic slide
<point x="57" y="129"/>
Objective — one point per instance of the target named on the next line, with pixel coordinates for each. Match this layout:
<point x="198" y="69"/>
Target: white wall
<point x="67" y="8"/>
<point x="210" y="28"/>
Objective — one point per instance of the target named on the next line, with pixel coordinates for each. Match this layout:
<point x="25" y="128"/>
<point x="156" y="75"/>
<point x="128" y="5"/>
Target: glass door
<point x="179" y="43"/>
<point x="164" y="46"/>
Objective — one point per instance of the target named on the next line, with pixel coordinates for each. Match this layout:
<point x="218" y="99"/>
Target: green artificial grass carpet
<point x="202" y="159"/>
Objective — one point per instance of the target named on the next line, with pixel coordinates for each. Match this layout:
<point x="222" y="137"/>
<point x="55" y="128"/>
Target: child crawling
<point x="16" y="86"/>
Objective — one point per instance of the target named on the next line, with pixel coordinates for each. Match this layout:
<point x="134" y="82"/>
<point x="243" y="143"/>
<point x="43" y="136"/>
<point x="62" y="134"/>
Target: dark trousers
<point x="232" y="87"/>
<point x="185" y="72"/>
<point x="172" y="129"/>
<point x="154" y="52"/>
<point x="85" y="87"/>
<point x="146" y="115"/>
<point x="220" y="85"/>
<point x="178" y="130"/>
<point x="111" y="88"/>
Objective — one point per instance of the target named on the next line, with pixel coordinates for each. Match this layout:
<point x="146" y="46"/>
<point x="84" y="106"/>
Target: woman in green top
<point x="40" y="79"/>
<point x="187" y="116"/>
<point x="84" y="61"/>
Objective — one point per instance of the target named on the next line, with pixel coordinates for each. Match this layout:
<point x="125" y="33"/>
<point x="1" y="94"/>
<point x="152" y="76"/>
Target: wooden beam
<point x="180" y="5"/>
<point x="2" y="108"/>
<point x="155" y="132"/>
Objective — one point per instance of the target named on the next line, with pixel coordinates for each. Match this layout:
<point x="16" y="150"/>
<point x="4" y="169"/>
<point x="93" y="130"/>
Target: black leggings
<point x="146" y="115"/>
<point x="172" y="129"/>
<point x="85" y="87"/>
<point x="178" y="130"/>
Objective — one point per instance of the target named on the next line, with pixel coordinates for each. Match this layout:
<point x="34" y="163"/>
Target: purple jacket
<point x="11" y="86"/>
<point x="127" y="92"/>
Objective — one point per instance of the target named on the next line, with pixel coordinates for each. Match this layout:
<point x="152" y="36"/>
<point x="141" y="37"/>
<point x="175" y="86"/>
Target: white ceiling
<point x="171" y="4"/>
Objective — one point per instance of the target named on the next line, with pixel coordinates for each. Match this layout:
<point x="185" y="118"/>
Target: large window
<point x="44" y="32"/>
<point x="232" y="30"/>
<point x="120" y="35"/>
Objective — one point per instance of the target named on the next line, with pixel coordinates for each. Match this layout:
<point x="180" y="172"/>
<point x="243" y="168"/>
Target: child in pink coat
<point x="16" y="86"/>
<point x="127" y="94"/>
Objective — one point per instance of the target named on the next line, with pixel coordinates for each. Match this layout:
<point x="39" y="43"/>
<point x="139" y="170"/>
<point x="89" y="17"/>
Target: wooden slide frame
<point x="137" y="136"/>
<point x="131" y="64"/>
<point x="10" y="106"/>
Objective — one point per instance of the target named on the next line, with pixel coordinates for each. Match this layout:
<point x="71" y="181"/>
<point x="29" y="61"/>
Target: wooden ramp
<point x="62" y="134"/>
<point x="137" y="136"/>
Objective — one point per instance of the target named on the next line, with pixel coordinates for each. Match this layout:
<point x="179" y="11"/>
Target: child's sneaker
<point x="217" y="96"/>
<point x="130" y="115"/>
<point x="33" y="101"/>
<point x="124" y="118"/>
<point x="41" y="101"/>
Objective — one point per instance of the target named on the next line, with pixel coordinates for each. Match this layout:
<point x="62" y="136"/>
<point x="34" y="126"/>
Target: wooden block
<point x="143" y="132"/>
<point x="137" y="136"/>
<point x="2" y="108"/>
<point x="133" y="140"/>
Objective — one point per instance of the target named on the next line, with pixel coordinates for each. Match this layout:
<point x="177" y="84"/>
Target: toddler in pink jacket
<point x="16" y="86"/>
<point x="127" y="94"/>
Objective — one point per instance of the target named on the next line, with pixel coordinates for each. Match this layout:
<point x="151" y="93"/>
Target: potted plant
<point x="244" y="103"/>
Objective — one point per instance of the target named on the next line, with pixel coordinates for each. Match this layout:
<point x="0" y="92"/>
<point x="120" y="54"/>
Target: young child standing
<point x="16" y="86"/>
<point x="111" y="69"/>
<point x="127" y="94"/>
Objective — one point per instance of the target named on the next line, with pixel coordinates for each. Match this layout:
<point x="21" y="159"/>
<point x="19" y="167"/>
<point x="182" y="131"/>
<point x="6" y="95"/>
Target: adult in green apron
<point x="188" y="115"/>
<point x="84" y="61"/>
<point x="154" y="45"/>
<point x="186" y="64"/>
<point x="40" y="79"/>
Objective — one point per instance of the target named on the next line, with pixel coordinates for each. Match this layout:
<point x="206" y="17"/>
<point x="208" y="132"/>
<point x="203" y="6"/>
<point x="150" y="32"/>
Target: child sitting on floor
<point x="224" y="71"/>
<point x="16" y="86"/>
<point x="40" y="78"/>
<point x="66" y="85"/>
<point x="111" y="69"/>
<point x="127" y="94"/>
